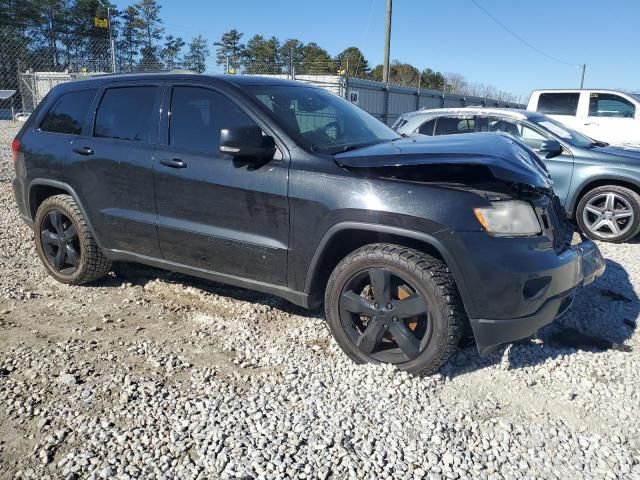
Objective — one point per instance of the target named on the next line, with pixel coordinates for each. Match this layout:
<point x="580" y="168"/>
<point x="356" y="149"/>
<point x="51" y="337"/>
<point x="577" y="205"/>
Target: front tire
<point x="391" y="304"/>
<point x="609" y="213"/>
<point x="65" y="244"/>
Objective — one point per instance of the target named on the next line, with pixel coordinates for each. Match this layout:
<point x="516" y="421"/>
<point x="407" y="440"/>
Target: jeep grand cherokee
<point x="289" y="189"/>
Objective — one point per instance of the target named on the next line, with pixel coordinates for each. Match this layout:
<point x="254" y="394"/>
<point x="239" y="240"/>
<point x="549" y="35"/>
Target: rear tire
<point x="65" y="244"/>
<point x="418" y="337"/>
<point x="609" y="213"/>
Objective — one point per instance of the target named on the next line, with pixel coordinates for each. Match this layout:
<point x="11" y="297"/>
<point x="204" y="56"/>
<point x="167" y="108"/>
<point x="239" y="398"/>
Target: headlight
<point x="511" y="218"/>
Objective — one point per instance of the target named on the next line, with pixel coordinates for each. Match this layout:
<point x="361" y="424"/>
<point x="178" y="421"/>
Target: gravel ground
<point x="149" y="374"/>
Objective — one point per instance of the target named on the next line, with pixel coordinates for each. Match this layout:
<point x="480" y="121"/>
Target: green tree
<point x="229" y="48"/>
<point x="291" y="53"/>
<point x="170" y="53"/>
<point x="351" y="61"/>
<point x="150" y="34"/>
<point x="432" y="80"/>
<point x="403" y="74"/>
<point x="46" y="26"/>
<point x="261" y="55"/>
<point x="316" y="60"/>
<point x="196" y="57"/>
<point x="129" y="43"/>
<point x="16" y="19"/>
<point x="376" y="73"/>
<point x="86" y="44"/>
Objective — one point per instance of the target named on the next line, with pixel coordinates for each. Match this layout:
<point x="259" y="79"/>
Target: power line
<point x="533" y="47"/>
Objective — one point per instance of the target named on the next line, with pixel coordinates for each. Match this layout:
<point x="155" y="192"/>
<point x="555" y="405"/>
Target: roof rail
<point x="142" y="72"/>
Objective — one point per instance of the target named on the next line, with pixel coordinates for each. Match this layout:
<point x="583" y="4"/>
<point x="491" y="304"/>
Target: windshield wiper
<point x="353" y="146"/>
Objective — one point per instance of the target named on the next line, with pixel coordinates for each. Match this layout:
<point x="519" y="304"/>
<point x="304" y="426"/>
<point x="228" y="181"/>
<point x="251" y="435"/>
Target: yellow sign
<point x="101" y="22"/>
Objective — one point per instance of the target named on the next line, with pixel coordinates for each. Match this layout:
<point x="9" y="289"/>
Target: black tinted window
<point x="453" y="125"/>
<point x="558" y="103"/>
<point x="427" y="127"/>
<point x="198" y="115"/>
<point x="125" y="113"/>
<point x="68" y="113"/>
<point x="610" y="105"/>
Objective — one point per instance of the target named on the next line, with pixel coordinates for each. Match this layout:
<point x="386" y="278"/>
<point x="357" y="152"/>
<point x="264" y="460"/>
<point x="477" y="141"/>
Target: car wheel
<point x="65" y="244"/>
<point x="609" y="213"/>
<point x="390" y="304"/>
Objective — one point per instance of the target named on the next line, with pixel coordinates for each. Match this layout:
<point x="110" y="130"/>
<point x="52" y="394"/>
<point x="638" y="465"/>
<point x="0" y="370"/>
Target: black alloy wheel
<point x="387" y="303"/>
<point x="65" y="243"/>
<point x="385" y="316"/>
<point x="60" y="242"/>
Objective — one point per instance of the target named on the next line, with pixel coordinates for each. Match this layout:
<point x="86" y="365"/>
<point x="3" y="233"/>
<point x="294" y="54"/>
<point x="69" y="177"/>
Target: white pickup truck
<point x="606" y="115"/>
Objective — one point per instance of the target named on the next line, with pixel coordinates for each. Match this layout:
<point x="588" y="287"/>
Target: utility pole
<point x="112" y="44"/>
<point x="387" y="45"/>
<point x="584" y="68"/>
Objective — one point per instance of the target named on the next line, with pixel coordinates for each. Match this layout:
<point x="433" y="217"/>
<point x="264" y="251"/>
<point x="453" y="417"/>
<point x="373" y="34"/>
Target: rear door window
<point x="610" y="105"/>
<point x="125" y="113"/>
<point x="560" y="103"/>
<point x="454" y="125"/>
<point x="197" y="116"/>
<point x="68" y="114"/>
<point x="427" y="127"/>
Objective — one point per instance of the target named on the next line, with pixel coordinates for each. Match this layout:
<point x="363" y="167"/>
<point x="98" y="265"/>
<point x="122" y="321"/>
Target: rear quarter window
<point x="560" y="103"/>
<point x="68" y="113"/>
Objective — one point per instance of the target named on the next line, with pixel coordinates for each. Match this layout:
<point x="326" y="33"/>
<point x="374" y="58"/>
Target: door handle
<point x="174" y="163"/>
<point x="591" y="123"/>
<point x="83" y="150"/>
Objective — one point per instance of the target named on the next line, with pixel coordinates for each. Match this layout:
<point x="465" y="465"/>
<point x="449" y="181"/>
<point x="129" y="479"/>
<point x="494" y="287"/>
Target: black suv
<point x="289" y="189"/>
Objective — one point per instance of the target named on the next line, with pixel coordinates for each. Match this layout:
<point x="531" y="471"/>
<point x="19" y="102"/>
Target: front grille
<point x="556" y="225"/>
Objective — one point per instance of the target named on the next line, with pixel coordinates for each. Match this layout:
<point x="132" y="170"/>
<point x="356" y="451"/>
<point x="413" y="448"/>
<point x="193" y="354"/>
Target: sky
<point x="446" y="36"/>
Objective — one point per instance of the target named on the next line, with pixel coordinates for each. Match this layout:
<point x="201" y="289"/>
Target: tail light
<point x="15" y="146"/>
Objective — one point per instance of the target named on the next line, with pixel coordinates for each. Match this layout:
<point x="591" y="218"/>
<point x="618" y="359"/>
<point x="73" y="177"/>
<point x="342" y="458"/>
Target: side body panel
<point x="115" y="184"/>
<point x="219" y="214"/>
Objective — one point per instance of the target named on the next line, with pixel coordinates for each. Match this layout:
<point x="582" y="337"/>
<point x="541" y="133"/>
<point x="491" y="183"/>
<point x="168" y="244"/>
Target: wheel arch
<point x="592" y="183"/>
<point x="343" y="238"/>
<point x="42" y="188"/>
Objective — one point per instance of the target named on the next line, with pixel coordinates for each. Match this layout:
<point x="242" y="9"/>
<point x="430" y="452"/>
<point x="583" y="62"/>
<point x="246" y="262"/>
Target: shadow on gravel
<point x="603" y="316"/>
<point x="138" y="274"/>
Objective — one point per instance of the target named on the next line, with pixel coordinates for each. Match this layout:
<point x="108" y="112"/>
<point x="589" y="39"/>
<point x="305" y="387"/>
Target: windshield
<point x="320" y="120"/>
<point x="565" y="133"/>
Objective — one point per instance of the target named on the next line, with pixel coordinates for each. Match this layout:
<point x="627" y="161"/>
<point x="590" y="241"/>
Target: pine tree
<point x="170" y="54"/>
<point x="229" y="49"/>
<point x="196" y="57"/>
<point x="150" y="33"/>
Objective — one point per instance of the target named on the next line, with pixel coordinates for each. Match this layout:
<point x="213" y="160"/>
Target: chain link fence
<point x="28" y="71"/>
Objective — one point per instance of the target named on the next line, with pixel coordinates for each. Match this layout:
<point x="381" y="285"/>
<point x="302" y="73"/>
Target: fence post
<point x="386" y="103"/>
<point x="112" y="43"/>
<point x="418" y="92"/>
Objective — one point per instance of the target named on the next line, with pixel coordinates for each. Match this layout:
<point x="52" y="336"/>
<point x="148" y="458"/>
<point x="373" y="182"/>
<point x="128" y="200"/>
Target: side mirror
<point x="247" y="143"/>
<point x="551" y="148"/>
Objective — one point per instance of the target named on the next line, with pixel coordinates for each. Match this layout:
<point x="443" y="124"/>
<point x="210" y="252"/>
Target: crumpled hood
<point x="507" y="159"/>
<point x="622" y="154"/>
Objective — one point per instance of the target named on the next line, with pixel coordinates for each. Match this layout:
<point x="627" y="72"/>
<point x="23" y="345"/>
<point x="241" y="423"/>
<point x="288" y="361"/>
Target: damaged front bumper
<point x="551" y="290"/>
